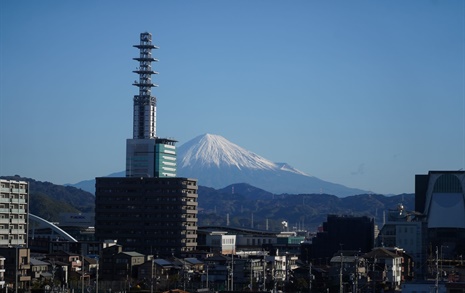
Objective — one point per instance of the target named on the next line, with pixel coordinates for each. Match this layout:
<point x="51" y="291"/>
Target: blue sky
<point x="361" y="93"/>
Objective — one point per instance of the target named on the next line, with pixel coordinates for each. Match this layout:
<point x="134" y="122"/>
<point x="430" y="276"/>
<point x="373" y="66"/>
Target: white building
<point x="14" y="208"/>
<point x="221" y="242"/>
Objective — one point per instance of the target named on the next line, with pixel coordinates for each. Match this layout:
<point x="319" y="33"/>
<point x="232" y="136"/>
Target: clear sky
<point x="361" y="93"/>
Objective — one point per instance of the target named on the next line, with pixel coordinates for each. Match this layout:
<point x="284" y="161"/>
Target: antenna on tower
<point x="144" y="103"/>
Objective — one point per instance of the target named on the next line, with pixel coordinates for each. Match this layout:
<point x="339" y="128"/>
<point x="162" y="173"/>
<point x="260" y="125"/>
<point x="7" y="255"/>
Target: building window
<point x="447" y="183"/>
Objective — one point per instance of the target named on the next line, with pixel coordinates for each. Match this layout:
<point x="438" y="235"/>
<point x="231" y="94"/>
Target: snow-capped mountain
<point x="217" y="162"/>
<point x="214" y="151"/>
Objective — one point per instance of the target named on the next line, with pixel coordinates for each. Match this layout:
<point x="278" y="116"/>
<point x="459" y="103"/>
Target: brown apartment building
<point x="149" y="215"/>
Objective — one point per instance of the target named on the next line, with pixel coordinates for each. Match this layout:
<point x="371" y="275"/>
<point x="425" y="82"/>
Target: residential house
<point x="384" y="268"/>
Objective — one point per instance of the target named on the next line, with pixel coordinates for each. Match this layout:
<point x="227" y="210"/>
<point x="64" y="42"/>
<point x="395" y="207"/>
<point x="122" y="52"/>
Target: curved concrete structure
<point x="52" y="226"/>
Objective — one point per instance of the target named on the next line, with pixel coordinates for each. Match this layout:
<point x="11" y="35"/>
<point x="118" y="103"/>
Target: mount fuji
<point x="217" y="162"/>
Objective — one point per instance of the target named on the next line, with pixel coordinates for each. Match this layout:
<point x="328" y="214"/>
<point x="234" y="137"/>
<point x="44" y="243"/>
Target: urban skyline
<point x="367" y="94"/>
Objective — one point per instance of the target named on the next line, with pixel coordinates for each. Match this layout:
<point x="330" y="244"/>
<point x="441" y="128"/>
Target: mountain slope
<point x="214" y="151"/>
<point x="217" y="162"/>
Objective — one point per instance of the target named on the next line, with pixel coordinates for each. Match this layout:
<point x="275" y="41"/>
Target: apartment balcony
<point x="18" y="221"/>
<point x="24" y="278"/>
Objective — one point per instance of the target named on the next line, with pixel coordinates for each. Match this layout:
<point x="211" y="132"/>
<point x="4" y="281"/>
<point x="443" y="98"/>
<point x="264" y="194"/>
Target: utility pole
<point x="310" y="277"/>
<point x="251" y="274"/>
<point x="436" y="284"/>
<point x="151" y="277"/>
<point x="275" y="283"/>
<point x="207" y="276"/>
<point x="356" y="274"/>
<point x="374" y="275"/>
<point x="264" y="271"/>
<point x="232" y="272"/>
<point x="341" y="287"/>
<point x="82" y="269"/>
<point x="96" y="279"/>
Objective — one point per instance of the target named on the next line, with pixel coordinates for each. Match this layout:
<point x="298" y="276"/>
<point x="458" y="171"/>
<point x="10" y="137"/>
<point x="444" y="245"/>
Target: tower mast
<point x="145" y="105"/>
<point x="146" y="154"/>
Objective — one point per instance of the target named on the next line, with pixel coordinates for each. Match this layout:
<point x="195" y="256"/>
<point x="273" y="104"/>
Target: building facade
<point x="17" y="267"/>
<point x="440" y="201"/>
<point x="149" y="215"/>
<point x="14" y="206"/>
<point x="343" y="233"/>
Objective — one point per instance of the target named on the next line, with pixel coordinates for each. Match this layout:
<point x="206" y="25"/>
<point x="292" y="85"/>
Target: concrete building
<point x="147" y="215"/>
<point x="440" y="197"/>
<point x="17" y="266"/>
<point x="2" y="272"/>
<point x="121" y="266"/>
<point x="342" y="232"/>
<point x="407" y="230"/>
<point x="14" y="208"/>
<point x="221" y="242"/>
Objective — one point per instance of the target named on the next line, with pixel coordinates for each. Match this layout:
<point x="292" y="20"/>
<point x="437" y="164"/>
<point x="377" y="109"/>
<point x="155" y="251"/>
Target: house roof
<point x="193" y="261"/>
<point x="345" y="258"/>
<point x="218" y="258"/>
<point x="132" y="253"/>
<point x="90" y="260"/>
<point x="36" y="262"/>
<point x="176" y="291"/>
<point x="380" y="253"/>
<point x="162" y="262"/>
<point x="46" y="275"/>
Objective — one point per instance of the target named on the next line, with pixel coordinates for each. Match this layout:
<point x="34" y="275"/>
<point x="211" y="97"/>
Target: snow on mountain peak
<point x="214" y="150"/>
